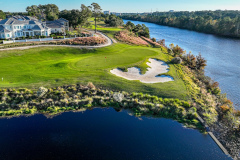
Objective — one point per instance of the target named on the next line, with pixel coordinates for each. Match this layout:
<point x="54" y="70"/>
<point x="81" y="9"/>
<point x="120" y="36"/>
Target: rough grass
<point x="53" y="66"/>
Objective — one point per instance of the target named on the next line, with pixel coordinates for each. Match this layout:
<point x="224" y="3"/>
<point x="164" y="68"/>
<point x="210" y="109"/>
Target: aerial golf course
<point x="54" y="66"/>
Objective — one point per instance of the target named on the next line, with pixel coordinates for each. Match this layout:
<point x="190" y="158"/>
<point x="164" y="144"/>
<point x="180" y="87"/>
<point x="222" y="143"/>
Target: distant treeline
<point x="225" y="23"/>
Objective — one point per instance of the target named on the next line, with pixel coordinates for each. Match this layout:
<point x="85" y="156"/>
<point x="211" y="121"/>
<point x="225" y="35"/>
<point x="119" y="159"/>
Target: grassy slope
<point x="52" y="66"/>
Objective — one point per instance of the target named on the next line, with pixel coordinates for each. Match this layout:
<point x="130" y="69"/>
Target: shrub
<point x="186" y="104"/>
<point x="154" y="39"/>
<point x="225" y="108"/>
<point x="176" y="60"/>
<point x="90" y="85"/>
<point x="177" y="51"/>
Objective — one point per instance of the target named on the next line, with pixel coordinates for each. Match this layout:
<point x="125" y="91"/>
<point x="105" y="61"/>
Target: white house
<point x="58" y="26"/>
<point x="24" y="26"/>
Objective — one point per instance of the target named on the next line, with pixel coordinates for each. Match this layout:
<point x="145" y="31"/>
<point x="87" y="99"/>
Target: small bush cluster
<point x="129" y="38"/>
<point x="176" y="60"/>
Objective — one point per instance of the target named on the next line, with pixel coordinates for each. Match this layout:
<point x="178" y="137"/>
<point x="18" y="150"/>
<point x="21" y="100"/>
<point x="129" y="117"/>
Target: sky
<point x="127" y="6"/>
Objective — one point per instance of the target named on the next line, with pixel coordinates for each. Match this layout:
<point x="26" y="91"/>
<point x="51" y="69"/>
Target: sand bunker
<point x="151" y="76"/>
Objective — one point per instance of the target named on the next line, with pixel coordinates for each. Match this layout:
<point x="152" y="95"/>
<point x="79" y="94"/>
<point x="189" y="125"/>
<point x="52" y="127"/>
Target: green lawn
<point x="101" y="26"/>
<point x="53" y="66"/>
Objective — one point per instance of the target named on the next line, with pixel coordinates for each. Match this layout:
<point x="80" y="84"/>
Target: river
<point x="103" y="134"/>
<point x="222" y="55"/>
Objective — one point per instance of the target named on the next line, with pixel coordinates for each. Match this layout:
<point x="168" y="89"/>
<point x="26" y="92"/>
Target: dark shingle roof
<point x="37" y="27"/>
<point x="18" y="20"/>
<point x="54" y="24"/>
<point x="23" y="18"/>
<point x="3" y="30"/>
<point x="62" y="19"/>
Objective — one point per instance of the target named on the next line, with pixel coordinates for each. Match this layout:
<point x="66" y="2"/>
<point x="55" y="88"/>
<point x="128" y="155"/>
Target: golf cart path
<point x="108" y="43"/>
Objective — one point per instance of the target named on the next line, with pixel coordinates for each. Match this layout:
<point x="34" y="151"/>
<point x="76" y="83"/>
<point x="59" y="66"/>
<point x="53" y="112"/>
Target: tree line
<point x="76" y="17"/>
<point x="225" y="23"/>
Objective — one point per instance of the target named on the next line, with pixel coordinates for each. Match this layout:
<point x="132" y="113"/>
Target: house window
<point x="14" y="27"/>
<point x="24" y="27"/>
<point x="8" y="35"/>
<point x="17" y="27"/>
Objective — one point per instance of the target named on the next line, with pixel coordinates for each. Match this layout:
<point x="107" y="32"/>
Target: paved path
<point x="108" y="43"/>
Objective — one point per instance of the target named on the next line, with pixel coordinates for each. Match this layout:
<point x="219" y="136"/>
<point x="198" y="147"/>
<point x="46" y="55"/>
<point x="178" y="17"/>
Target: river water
<point x="222" y="54"/>
<point x="103" y="134"/>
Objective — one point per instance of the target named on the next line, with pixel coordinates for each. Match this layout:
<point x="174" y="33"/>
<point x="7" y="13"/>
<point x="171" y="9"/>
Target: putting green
<point x="53" y="66"/>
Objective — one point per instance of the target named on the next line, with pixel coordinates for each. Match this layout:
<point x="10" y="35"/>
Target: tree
<point x="178" y="51"/>
<point x="96" y="10"/>
<point x="201" y="63"/>
<point x="33" y="10"/>
<point x="114" y="21"/>
<point x="74" y="17"/>
<point x="2" y="15"/>
<point x="46" y="12"/>
<point x="85" y="13"/>
<point x="129" y="26"/>
<point x="77" y="17"/>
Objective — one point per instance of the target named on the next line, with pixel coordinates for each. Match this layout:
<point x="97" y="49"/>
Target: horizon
<point x="133" y="6"/>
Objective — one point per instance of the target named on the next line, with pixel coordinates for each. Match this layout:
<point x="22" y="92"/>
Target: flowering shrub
<point x="75" y="41"/>
<point x="126" y="37"/>
<point x="85" y="41"/>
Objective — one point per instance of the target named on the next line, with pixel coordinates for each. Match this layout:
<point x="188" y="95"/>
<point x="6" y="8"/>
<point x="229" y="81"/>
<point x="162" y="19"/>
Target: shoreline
<point x="217" y="35"/>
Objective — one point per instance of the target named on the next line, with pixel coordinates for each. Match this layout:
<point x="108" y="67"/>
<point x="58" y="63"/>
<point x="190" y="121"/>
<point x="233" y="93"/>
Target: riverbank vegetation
<point x="225" y="23"/>
<point x="52" y="101"/>
<point x="139" y="30"/>
<point x="217" y="111"/>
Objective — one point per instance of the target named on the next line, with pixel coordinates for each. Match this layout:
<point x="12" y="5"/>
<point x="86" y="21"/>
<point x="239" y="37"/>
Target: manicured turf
<point x="101" y="26"/>
<point x="53" y="66"/>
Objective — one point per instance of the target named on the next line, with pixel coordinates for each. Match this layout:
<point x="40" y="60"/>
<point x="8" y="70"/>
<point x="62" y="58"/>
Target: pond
<point x="103" y="134"/>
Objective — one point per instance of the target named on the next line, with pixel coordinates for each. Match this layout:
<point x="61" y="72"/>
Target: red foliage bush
<point x="85" y="41"/>
<point x="125" y="37"/>
<point x="225" y="108"/>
